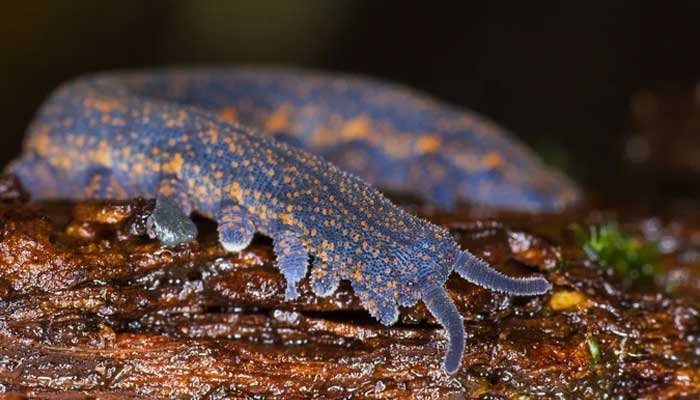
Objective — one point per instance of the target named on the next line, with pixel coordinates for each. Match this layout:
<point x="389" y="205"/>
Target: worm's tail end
<point x="480" y="273"/>
<point x="443" y="309"/>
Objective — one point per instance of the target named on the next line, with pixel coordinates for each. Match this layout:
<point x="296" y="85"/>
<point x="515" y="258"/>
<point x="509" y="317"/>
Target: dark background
<point x="563" y="76"/>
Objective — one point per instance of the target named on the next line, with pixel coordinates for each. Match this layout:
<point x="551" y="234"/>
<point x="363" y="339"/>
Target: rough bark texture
<point x="90" y="307"/>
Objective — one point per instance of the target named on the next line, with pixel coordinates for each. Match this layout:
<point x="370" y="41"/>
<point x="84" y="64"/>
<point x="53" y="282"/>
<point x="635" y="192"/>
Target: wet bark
<point x="90" y="306"/>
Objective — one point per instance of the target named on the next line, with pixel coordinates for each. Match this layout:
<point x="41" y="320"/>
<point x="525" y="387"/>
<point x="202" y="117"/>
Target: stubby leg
<point x="292" y="260"/>
<point x="236" y="228"/>
<point x="378" y="301"/>
<point x="324" y="278"/>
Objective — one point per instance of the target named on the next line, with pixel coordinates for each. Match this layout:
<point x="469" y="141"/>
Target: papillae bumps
<point x="176" y="135"/>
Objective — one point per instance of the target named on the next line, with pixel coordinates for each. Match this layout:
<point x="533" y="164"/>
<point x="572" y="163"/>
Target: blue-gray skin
<point x="172" y="135"/>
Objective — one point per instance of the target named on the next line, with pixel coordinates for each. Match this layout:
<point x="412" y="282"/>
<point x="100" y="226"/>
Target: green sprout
<point x="634" y="260"/>
<point x="594" y="349"/>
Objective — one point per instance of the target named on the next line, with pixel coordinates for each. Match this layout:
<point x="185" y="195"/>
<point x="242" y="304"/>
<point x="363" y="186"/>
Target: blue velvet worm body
<point x="249" y="149"/>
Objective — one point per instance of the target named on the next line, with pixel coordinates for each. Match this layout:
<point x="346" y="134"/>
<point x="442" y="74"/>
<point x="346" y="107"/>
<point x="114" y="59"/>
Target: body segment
<point x="174" y="135"/>
<point x="391" y="136"/>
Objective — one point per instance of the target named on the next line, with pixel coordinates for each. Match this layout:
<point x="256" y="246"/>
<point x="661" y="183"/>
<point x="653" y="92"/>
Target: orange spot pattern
<point x="138" y="134"/>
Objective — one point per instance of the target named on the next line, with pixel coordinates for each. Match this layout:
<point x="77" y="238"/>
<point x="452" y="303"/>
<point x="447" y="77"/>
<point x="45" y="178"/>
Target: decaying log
<point x="91" y="307"/>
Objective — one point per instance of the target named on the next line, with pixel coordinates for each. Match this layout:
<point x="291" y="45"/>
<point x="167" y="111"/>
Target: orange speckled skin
<point x="175" y="134"/>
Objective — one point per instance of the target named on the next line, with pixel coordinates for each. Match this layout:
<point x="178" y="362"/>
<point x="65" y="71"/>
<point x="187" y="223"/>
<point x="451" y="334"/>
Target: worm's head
<point x="427" y="260"/>
<point x="435" y="258"/>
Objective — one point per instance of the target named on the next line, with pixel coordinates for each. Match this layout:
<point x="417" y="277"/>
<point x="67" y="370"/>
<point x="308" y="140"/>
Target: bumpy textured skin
<point x="175" y="135"/>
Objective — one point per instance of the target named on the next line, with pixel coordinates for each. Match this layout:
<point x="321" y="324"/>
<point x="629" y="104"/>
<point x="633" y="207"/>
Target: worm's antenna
<point x="477" y="271"/>
<point x="443" y="309"/>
